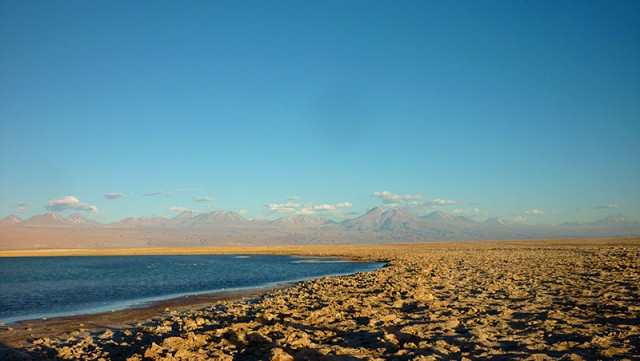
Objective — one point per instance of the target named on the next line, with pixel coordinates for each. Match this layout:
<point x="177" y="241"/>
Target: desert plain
<point x="498" y="300"/>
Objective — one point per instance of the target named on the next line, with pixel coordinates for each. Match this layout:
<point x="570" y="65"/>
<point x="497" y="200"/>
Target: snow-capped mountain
<point x="11" y="220"/>
<point x="47" y="219"/>
<point x="79" y="219"/>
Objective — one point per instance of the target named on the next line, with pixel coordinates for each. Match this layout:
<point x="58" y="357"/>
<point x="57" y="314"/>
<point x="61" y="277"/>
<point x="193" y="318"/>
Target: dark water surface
<point x="36" y="287"/>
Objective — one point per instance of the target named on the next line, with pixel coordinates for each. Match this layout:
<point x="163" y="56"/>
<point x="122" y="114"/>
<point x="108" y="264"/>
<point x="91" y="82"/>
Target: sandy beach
<point x="508" y="300"/>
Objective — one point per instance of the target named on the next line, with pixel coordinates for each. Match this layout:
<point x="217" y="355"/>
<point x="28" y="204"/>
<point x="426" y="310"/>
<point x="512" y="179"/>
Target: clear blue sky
<point x="521" y="109"/>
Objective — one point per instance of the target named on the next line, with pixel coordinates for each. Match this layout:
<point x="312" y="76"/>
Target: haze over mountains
<point x="378" y="225"/>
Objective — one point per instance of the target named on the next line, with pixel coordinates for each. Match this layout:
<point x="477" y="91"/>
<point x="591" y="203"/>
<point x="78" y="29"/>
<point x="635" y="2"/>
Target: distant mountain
<point x="79" y="219"/>
<point x="465" y="219"/>
<point x="187" y="215"/>
<point x="299" y="221"/>
<point x="614" y="221"/>
<point x="399" y="220"/>
<point x="10" y="220"/>
<point x="367" y="222"/>
<point x="55" y="219"/>
<point x="220" y="218"/>
<point x="188" y="219"/>
<point x="227" y="217"/>
<point x="184" y="219"/>
<point x="47" y="219"/>
<point x="439" y="216"/>
<point x="378" y="225"/>
<point x="498" y="221"/>
<point x="571" y="224"/>
<point x="139" y="222"/>
<point x="380" y="219"/>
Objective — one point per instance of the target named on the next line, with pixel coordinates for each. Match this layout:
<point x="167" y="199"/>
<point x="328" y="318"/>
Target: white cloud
<point x="411" y="199"/>
<point x="294" y="198"/>
<point x="308" y="208"/>
<point x="113" y="195"/>
<point x="414" y="203"/>
<point x="288" y="207"/>
<point x="389" y="197"/>
<point x="243" y="211"/>
<point x="306" y="211"/>
<point x="606" y="206"/>
<point x="204" y="199"/>
<point x="534" y="212"/>
<point x="383" y="194"/>
<point x="152" y="194"/>
<point x="324" y="207"/>
<point x="169" y="192"/>
<point x="519" y="219"/>
<point x="475" y="212"/>
<point x="441" y="202"/>
<point x="69" y="202"/>
<point x="179" y="209"/>
<point x="21" y="207"/>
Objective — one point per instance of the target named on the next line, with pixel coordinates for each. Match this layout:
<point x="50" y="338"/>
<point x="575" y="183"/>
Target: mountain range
<point x="396" y="222"/>
<point x="50" y="219"/>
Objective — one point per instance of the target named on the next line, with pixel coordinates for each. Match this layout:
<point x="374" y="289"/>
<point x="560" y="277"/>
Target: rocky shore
<point x="525" y="300"/>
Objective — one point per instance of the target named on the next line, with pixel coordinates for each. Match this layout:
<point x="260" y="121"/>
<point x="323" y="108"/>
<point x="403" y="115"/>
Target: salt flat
<point x="529" y="300"/>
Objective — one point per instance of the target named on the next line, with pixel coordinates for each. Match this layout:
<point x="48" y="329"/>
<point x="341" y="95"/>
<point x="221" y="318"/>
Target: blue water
<point x="37" y="287"/>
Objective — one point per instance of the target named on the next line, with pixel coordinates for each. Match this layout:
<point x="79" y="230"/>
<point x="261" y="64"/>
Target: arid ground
<point x="506" y="300"/>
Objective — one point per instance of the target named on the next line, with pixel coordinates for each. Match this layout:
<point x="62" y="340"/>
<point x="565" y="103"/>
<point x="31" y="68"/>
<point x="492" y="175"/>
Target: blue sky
<point x="528" y="110"/>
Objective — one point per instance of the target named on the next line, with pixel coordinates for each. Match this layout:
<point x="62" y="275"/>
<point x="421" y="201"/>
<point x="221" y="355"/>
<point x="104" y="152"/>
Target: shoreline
<point x="302" y="250"/>
<point x="157" y="302"/>
<point x="17" y="334"/>
<point x="159" y="251"/>
<point x="535" y="299"/>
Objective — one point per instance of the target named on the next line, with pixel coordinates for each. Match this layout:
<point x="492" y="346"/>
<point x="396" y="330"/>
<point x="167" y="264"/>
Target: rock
<point x="107" y="334"/>
<point x="278" y="354"/>
<point x="256" y="338"/>
<point x="154" y="351"/>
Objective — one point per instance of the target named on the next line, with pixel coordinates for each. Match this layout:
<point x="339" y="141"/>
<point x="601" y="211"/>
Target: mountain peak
<point x="617" y="219"/>
<point x="300" y="221"/>
<point x="498" y="221"/>
<point x="228" y="215"/>
<point x="379" y="219"/>
<point x="376" y="210"/>
<point x="13" y="219"/>
<point x="47" y="219"/>
<point x="440" y="216"/>
<point x="79" y="219"/>
<point x="187" y="214"/>
<point x="614" y="220"/>
<point x="220" y="218"/>
<point x="77" y="216"/>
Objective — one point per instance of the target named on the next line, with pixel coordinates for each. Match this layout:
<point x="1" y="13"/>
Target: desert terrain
<point x="506" y="300"/>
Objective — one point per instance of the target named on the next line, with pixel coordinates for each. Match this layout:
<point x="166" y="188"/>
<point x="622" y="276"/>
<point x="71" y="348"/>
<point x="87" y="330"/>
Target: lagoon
<point x="38" y="287"/>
